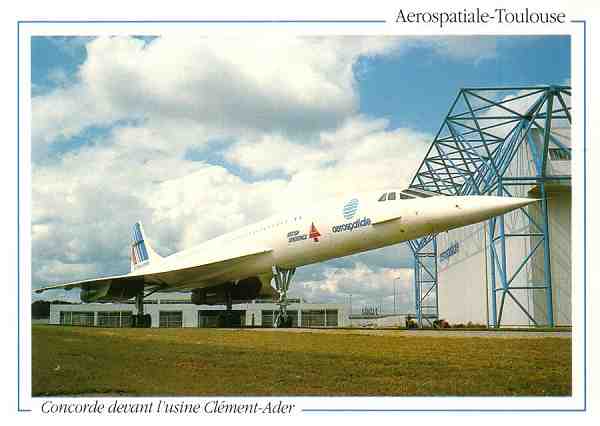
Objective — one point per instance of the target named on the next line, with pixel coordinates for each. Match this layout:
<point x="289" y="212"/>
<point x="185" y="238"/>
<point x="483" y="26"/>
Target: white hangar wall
<point x="464" y="268"/>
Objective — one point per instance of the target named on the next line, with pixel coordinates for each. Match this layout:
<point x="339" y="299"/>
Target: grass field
<point x="197" y="362"/>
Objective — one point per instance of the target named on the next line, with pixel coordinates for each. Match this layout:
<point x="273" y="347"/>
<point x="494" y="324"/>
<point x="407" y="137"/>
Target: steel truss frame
<point x="425" y="279"/>
<point x="470" y="155"/>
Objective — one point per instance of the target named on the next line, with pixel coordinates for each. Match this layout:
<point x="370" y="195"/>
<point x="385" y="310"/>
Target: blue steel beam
<point x="470" y="154"/>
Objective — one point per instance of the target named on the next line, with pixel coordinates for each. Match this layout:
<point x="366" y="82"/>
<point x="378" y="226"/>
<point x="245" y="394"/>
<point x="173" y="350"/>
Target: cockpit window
<point x="403" y="196"/>
<point x="419" y="194"/>
<point x="391" y="195"/>
<point x="383" y="197"/>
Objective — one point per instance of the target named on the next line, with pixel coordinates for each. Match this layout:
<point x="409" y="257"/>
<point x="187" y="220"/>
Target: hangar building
<point x="514" y="270"/>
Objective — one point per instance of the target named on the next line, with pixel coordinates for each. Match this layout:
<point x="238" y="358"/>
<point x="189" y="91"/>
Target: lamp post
<point x="395" y="291"/>
<point x="350" y="303"/>
<point x="395" y="294"/>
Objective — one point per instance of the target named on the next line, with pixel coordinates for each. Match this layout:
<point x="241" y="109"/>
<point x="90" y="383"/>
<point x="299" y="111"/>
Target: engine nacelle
<point x="111" y="292"/>
<point x="245" y="290"/>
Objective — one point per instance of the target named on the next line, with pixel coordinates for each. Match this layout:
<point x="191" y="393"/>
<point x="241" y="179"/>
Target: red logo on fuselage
<point x="314" y="233"/>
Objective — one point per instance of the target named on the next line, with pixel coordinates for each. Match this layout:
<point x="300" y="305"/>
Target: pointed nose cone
<point x="496" y="206"/>
<point x="478" y="208"/>
<point x="467" y="210"/>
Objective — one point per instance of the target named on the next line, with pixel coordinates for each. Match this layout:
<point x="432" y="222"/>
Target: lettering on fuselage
<point x="351" y="226"/>
<point x="450" y="251"/>
<point x="294" y="236"/>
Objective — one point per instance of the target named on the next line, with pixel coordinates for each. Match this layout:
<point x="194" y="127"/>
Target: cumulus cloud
<point x="365" y="284"/>
<point x="268" y="83"/>
<point x="475" y="49"/>
<point x="362" y="154"/>
<point x="280" y="106"/>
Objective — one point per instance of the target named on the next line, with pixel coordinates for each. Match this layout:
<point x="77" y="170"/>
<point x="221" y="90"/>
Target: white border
<point x="413" y="403"/>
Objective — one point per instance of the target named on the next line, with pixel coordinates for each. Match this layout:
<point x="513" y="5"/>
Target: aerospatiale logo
<point x="350" y="209"/>
<point x="314" y="233"/>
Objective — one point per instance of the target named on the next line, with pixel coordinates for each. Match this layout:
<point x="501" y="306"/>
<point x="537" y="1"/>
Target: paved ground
<point x="512" y="334"/>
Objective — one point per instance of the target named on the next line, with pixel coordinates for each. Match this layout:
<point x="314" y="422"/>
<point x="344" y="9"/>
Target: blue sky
<point x="159" y="129"/>
<point x="431" y="81"/>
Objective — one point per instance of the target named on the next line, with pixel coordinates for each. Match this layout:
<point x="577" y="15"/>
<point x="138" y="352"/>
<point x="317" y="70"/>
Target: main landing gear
<point x="225" y="319"/>
<point x="282" y="277"/>
<point x="140" y="320"/>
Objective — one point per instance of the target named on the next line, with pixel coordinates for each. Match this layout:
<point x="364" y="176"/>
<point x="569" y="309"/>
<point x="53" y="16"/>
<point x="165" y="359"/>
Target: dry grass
<point x="197" y="362"/>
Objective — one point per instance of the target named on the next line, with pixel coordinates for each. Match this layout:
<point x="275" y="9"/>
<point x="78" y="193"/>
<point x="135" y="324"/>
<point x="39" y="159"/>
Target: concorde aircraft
<point x="240" y="265"/>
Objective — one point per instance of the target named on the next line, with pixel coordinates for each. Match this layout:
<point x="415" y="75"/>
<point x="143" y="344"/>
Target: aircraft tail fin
<point x="141" y="250"/>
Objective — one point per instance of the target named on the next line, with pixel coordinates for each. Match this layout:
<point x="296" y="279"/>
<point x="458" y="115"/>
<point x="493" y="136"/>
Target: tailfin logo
<point x="139" y="254"/>
<point x="314" y="233"/>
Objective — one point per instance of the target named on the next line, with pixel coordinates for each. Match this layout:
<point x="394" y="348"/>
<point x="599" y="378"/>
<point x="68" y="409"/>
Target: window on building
<point x="267" y="318"/>
<point x="170" y="319"/>
<point x="331" y="317"/>
<point x="83" y="319"/>
<point x="65" y="318"/>
<point x="560" y="154"/>
<point x="109" y="319"/>
<point x="313" y="318"/>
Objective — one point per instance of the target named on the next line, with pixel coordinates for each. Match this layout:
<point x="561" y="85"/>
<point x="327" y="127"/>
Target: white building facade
<point x="465" y="266"/>
<point x="169" y="313"/>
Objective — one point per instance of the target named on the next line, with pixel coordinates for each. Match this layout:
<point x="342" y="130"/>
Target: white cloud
<point x="366" y="284"/>
<point x="208" y="202"/>
<point x="264" y="83"/>
<point x="362" y="154"/>
<point x="276" y="153"/>
<point x="475" y="49"/>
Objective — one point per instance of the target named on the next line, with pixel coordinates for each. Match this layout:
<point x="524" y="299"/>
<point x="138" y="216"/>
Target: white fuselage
<point x="344" y="226"/>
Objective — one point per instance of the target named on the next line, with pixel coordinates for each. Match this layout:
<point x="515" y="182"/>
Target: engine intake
<point x="245" y="290"/>
<point x="111" y="291"/>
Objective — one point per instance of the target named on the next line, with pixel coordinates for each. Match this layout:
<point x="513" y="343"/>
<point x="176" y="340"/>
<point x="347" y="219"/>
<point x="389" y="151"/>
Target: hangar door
<point x="170" y="319"/>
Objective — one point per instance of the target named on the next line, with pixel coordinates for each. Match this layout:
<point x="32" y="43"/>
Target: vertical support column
<point x="417" y="291"/>
<point x="492" y="260"/>
<point x="435" y="272"/>
<point x="425" y="279"/>
<point x="503" y="271"/>
<point x="547" y="268"/>
<point x="551" y="92"/>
